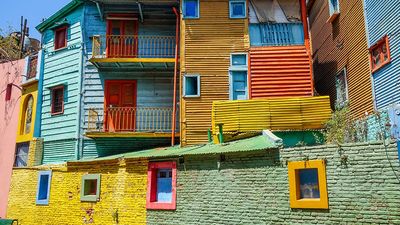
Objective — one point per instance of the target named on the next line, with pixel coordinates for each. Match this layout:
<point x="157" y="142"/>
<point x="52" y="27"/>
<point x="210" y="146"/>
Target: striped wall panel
<point x="59" y="151"/>
<point x="207" y="43"/>
<point x="280" y="71"/>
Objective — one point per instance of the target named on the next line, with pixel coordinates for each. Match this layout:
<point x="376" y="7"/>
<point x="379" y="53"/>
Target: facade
<point x="383" y="40"/>
<point x="340" y="54"/>
<point x="10" y="80"/>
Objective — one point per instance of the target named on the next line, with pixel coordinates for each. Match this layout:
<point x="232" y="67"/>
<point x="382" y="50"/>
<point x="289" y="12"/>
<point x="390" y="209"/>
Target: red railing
<point x="131" y="119"/>
<point x="133" y="46"/>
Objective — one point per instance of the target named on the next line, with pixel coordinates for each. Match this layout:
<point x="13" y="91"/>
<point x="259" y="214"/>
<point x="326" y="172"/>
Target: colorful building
<point x="340" y="54"/>
<point x="10" y="80"/>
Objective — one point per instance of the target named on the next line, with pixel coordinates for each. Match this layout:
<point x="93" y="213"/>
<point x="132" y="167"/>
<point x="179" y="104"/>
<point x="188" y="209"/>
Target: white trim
<point x="43" y="201"/>
<point x="198" y="85"/>
<point x="239" y="53"/>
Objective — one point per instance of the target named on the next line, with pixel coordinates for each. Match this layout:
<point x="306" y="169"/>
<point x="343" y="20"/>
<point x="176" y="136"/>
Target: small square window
<point x="191" y="86"/>
<point x="341" y="89"/>
<point x="239" y="59"/>
<point x="57" y="100"/>
<point x="60" y="38"/>
<point x="307" y="184"/>
<point x="8" y="92"/>
<point x="237" y="9"/>
<point x="90" y="189"/>
<point x="43" y="189"/>
<point x="21" y="155"/>
<point x="161" y="190"/>
<point x="379" y="54"/>
<point x="190" y="9"/>
<point x="334" y="10"/>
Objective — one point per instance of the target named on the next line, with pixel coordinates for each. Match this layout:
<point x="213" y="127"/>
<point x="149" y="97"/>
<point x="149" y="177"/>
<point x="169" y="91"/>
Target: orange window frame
<point x="377" y="45"/>
<point x="58" y="36"/>
<point x="53" y="112"/>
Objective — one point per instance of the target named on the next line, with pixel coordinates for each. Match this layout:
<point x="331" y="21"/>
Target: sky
<point x="33" y="10"/>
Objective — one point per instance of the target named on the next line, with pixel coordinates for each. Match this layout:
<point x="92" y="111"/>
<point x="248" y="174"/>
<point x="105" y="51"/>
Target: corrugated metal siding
<point x="280" y="71"/>
<point x="252" y="116"/>
<point x="206" y="47"/>
<point x="342" y="44"/>
<point x="59" y="151"/>
<point x="383" y="19"/>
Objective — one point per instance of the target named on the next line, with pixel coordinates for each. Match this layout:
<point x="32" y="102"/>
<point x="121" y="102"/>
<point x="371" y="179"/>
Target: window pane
<point x="164" y="185"/>
<point x="190" y="8"/>
<point x="309" y="186"/>
<point x="239" y="60"/>
<point x="334" y="4"/>
<point x="57" y="100"/>
<point x="191" y="87"/>
<point x="238" y="9"/>
<point x="341" y="88"/>
<point x="21" y="156"/>
<point x="239" y="85"/>
<point x="43" y="187"/>
<point x="90" y="187"/>
<point x="28" y="115"/>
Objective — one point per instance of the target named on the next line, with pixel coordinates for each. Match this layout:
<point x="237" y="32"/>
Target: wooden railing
<point x="130" y="119"/>
<point x="133" y="46"/>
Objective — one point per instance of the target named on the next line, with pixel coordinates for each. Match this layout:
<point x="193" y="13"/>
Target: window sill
<point x="380" y="67"/>
<point x="191" y="18"/>
<point x="57" y="114"/>
<point x="160" y="206"/>
<point x="333" y="17"/>
<point x="60" y="49"/>
<point x="237" y="17"/>
<point x="90" y="198"/>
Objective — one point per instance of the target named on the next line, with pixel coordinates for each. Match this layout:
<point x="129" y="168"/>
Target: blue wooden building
<point x="383" y="28"/>
<point x="108" y="82"/>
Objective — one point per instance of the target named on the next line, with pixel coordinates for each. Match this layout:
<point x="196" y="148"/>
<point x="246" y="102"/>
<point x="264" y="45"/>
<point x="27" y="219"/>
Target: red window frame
<point x="8" y="92"/>
<point x="60" y="35"/>
<point x="53" y="112"/>
<point x="151" y="202"/>
<point x="378" y="45"/>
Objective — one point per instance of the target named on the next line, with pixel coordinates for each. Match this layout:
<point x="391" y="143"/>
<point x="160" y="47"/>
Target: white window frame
<point x="231" y="8"/>
<point x="332" y="12"/>
<point x="190" y="17"/>
<point x="198" y="85"/>
<point x="43" y="201"/>
<point x="342" y="104"/>
<point x="239" y="68"/>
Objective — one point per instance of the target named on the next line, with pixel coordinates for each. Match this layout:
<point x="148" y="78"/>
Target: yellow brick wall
<point x="123" y="189"/>
<point x="35" y="153"/>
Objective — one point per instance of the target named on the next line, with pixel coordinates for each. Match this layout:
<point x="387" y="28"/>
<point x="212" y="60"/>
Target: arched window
<point x="27" y="115"/>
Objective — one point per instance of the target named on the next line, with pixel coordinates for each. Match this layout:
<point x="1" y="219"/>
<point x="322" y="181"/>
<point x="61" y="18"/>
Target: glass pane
<point x="90" y="187"/>
<point x="309" y="186"/>
<point x="191" y="87"/>
<point x="334" y="5"/>
<point x="239" y="86"/>
<point x="28" y="115"/>
<point x="21" y="156"/>
<point x="190" y="8"/>
<point x="341" y="89"/>
<point x="43" y="187"/>
<point x="238" y="9"/>
<point x="239" y="60"/>
<point x="164" y="185"/>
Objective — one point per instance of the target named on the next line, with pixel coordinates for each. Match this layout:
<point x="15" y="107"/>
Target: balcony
<point x="276" y="34"/>
<point x="130" y="122"/>
<point x="247" y="117"/>
<point x="140" y="51"/>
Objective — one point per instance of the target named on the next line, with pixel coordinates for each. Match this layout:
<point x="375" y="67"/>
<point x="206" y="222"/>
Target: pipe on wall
<point x="175" y="76"/>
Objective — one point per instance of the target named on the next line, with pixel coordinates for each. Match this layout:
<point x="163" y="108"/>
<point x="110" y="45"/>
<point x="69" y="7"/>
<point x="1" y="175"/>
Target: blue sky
<point x="33" y="10"/>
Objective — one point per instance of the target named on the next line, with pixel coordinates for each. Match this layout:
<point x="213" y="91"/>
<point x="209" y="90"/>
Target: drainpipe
<point x="175" y="76"/>
<point x="38" y="117"/>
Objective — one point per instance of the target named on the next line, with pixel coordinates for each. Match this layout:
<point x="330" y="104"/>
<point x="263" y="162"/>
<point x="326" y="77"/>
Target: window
<point x="341" y="89"/>
<point x="191" y="9"/>
<point x="27" y="115"/>
<point x="237" y="9"/>
<point x="307" y="184"/>
<point x="380" y="54"/>
<point x="57" y="100"/>
<point x="191" y="86"/>
<point x="161" y="190"/>
<point x="334" y="10"/>
<point x="43" y="189"/>
<point x="238" y="77"/>
<point x="60" y="38"/>
<point x="90" y="189"/>
<point x="32" y="67"/>
<point x="8" y="92"/>
<point x="21" y="155"/>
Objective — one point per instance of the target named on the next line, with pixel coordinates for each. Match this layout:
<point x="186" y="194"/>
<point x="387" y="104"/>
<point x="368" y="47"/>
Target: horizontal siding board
<point x="58" y="151"/>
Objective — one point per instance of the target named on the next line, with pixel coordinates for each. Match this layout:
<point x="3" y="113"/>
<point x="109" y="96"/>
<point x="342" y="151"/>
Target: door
<point x="238" y="85"/>
<point x="122" y="40"/>
<point x="120" y="106"/>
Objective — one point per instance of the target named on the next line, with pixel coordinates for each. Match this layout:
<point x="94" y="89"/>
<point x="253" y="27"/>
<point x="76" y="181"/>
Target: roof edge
<point x="60" y="13"/>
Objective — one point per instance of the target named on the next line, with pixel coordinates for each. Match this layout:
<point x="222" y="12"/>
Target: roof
<point x="257" y="143"/>
<point x="59" y="14"/>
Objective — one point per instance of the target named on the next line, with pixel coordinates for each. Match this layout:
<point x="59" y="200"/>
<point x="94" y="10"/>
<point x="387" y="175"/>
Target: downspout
<point x="80" y="88"/>
<point x="307" y="43"/>
<point x="38" y="118"/>
<point x="175" y="76"/>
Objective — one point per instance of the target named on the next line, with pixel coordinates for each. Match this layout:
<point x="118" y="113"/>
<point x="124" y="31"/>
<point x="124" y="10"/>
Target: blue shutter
<point x="164" y="185"/>
<point x="239" y="85"/>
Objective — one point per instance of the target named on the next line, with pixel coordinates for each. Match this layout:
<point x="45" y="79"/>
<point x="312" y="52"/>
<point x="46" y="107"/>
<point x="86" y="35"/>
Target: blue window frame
<point x="191" y="86"/>
<point x="237" y="9"/>
<point x="238" y="89"/>
<point x="191" y="9"/>
<point x="43" y="188"/>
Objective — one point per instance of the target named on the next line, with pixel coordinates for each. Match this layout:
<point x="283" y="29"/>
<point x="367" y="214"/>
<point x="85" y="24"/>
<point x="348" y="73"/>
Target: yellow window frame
<point x="294" y="185"/>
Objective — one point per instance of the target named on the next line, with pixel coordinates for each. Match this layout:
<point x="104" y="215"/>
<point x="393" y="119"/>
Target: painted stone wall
<point x="253" y="189"/>
<point x="10" y="73"/>
<point x="123" y="195"/>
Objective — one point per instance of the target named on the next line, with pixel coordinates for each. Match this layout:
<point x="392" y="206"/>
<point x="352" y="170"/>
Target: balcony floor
<point x="99" y="134"/>
<point x="134" y="63"/>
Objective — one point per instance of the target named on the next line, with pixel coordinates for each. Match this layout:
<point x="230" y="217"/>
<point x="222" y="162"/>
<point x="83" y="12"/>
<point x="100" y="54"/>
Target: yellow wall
<point x="28" y="90"/>
<point x="123" y="188"/>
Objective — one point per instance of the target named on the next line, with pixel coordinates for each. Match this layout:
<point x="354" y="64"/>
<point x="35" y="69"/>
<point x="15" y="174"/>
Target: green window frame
<point x="87" y="187"/>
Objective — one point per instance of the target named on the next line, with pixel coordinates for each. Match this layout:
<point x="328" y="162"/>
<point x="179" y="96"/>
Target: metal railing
<point x="276" y="34"/>
<point x="133" y="46"/>
<point x="130" y="119"/>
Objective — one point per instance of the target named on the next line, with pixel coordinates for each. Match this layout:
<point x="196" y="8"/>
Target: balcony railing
<point x="133" y="46"/>
<point x="131" y="119"/>
<point x="276" y="34"/>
